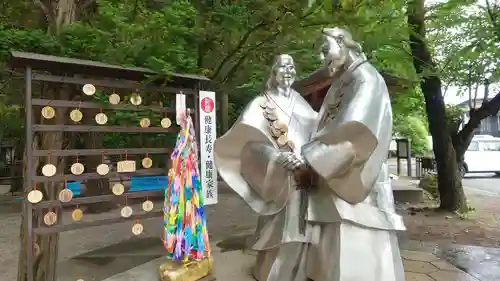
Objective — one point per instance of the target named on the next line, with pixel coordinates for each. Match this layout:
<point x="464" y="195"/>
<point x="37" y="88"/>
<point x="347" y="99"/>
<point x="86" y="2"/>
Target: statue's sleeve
<point x="348" y="152"/>
<point x="246" y="159"/>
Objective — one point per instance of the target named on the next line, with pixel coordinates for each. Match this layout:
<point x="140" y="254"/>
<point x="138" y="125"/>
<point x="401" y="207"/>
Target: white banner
<point x="208" y="135"/>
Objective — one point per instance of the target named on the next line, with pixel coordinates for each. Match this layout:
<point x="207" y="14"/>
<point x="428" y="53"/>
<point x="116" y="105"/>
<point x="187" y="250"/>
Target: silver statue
<point x="345" y="227"/>
<point x="353" y="206"/>
<point x="255" y="158"/>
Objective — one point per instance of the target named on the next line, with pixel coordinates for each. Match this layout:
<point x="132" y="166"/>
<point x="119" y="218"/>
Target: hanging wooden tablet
<point x="48" y="112"/>
<point x="118" y="189"/>
<point x="137" y="228"/>
<point x="77" y="214"/>
<point x="135" y="99"/>
<point x="77" y="168"/>
<point x="35" y="195"/>
<point x="126" y="166"/>
<point x="145" y="123"/>
<point x="76" y="115"/>
<point x="66" y="194"/>
<point x="48" y="169"/>
<point x="126" y="212"/>
<point x="88" y="89"/>
<point x="101" y="118"/>
<point x="50" y="218"/>
<point x="103" y="168"/>
<point x="147" y="162"/>
<point x="147" y="205"/>
<point x="166" y="122"/>
<point x="114" y="99"/>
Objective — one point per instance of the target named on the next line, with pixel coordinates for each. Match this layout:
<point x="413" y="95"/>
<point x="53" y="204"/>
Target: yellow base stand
<point x="188" y="271"/>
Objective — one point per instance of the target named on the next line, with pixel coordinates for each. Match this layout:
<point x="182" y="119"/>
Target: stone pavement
<point x="422" y="266"/>
<point x="236" y="265"/>
<point x="111" y="251"/>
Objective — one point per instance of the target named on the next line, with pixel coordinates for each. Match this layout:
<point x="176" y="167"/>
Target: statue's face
<point x="333" y="52"/>
<point x="285" y="73"/>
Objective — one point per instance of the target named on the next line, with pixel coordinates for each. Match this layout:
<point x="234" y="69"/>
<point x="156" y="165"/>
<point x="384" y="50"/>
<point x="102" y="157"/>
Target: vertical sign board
<point x="207" y="137"/>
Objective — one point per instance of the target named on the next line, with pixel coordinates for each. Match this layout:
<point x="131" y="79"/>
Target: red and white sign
<point x="208" y="135"/>
<point x="207" y="105"/>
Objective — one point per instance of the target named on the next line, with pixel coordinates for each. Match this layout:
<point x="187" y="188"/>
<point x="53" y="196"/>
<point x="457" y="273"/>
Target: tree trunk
<point x="59" y="14"/>
<point x="450" y="187"/>
<point x="44" y="266"/>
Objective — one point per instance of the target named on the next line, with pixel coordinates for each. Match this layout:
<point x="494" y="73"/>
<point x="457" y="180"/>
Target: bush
<point x="429" y="184"/>
<point x="414" y="129"/>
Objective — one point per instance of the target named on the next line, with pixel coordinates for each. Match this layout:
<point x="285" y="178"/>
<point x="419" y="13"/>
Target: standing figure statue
<point x="256" y="158"/>
<point x="352" y="210"/>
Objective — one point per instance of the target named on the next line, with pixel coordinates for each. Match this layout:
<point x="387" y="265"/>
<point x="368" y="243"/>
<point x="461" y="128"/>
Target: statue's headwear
<point x="279" y="60"/>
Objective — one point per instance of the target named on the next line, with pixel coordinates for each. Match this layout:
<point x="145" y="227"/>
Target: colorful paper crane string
<point x="185" y="234"/>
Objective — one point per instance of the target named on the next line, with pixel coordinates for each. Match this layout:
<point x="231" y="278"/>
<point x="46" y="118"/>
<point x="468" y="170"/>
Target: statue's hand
<point x="290" y="161"/>
<point x="306" y="177"/>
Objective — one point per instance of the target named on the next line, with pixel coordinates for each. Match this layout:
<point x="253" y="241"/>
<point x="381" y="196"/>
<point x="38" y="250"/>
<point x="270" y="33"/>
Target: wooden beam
<point x="101" y="129"/>
<point x="98" y="199"/>
<point x="108" y="151"/>
<point x="44" y="230"/>
<point x="93" y="105"/>
<point x="94" y="176"/>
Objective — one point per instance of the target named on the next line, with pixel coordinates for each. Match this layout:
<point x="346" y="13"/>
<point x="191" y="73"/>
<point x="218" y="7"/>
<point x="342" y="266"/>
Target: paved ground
<point x="488" y="184"/>
<point x="86" y="253"/>
<point x="236" y="264"/>
<point x="230" y="216"/>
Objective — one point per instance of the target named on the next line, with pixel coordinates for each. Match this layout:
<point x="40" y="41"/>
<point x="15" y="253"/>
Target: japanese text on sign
<point x="207" y="138"/>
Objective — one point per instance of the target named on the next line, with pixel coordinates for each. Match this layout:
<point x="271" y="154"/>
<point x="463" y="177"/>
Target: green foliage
<point x="232" y="42"/>
<point x="465" y="36"/>
<point x="429" y="183"/>
<point x="454" y="113"/>
<point x="11" y="126"/>
<point x="415" y="130"/>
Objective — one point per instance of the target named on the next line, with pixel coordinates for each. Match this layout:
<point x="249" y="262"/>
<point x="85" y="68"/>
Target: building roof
<point x="70" y="66"/>
<point x="321" y="79"/>
<point x="478" y="103"/>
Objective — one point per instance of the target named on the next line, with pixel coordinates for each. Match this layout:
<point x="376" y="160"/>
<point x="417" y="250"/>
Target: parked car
<point x="482" y="156"/>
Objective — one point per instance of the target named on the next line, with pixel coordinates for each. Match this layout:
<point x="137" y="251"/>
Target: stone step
<point x="407" y="191"/>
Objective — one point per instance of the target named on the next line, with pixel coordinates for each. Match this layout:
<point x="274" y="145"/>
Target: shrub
<point x="414" y="129"/>
<point x="429" y="184"/>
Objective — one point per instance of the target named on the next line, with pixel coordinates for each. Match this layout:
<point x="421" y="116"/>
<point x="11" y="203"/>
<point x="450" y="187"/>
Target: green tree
<point x="414" y="129"/>
<point x="482" y="28"/>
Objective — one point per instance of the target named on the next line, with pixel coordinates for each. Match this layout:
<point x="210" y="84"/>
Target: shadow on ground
<point x="108" y="261"/>
<point x="234" y="243"/>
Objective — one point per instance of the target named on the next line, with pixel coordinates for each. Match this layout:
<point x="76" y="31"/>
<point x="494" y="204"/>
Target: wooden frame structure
<point x="43" y="68"/>
<point x="315" y="86"/>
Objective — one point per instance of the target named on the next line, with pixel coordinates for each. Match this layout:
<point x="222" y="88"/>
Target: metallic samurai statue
<point x="255" y="158"/>
<point x="322" y="179"/>
<point x="352" y="210"/>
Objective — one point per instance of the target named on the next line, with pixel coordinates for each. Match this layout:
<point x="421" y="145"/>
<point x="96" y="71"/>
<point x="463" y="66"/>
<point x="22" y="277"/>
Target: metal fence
<point x="425" y="165"/>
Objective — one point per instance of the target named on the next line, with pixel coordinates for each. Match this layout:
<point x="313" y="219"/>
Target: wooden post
<point x="224" y="105"/>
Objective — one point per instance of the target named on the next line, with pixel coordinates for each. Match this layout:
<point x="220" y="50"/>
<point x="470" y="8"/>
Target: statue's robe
<point x="353" y="205"/>
<point x="246" y="159"/>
